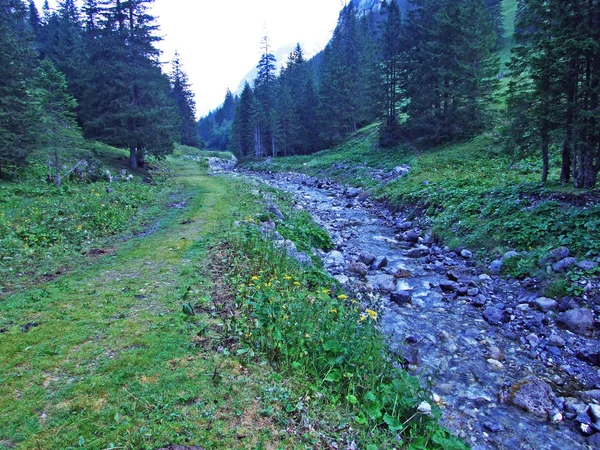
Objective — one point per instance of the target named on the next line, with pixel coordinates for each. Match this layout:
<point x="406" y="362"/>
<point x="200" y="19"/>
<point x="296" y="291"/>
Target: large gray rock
<point x="401" y="297"/>
<point x="366" y="258"/>
<point x="578" y="320"/>
<point x="495" y="316"/>
<point x="359" y="269"/>
<point x="546" y="304"/>
<point x="418" y="252"/>
<point x="496" y="267"/>
<point x="532" y="395"/>
<point x="511" y="254"/>
<point x="587" y="265"/>
<point x="564" y="264"/>
<point x="590" y="353"/>
<point x="335" y="258"/>
<point x="557" y="254"/>
<point x="379" y="263"/>
<point x="384" y="283"/>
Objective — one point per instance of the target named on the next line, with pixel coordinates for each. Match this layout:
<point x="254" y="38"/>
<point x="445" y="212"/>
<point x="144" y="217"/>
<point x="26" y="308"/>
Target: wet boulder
<point x="579" y="320"/>
<point x="532" y="395"/>
<point x="366" y="258"/>
<point x="359" y="269"/>
<point x="448" y="286"/>
<point x="384" y="283"/>
<point x="403" y="273"/>
<point x="401" y="297"/>
<point x="418" y="252"/>
<point x="379" y="263"/>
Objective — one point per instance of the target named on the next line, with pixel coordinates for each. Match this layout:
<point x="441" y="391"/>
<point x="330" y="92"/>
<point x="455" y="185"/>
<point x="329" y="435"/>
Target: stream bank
<point x="504" y="372"/>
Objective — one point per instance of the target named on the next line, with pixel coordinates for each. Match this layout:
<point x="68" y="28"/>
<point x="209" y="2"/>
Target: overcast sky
<point x="219" y="41"/>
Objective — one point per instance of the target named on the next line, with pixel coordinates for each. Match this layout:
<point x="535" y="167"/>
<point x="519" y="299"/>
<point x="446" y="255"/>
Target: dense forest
<point x="93" y="70"/>
<point x="428" y="71"/>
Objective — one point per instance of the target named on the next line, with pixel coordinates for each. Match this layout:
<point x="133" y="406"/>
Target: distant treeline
<point x="378" y="65"/>
<point x="95" y="69"/>
<point x="428" y="71"/>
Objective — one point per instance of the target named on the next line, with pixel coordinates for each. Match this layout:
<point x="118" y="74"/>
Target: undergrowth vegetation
<point x="330" y="346"/>
<point x="43" y="227"/>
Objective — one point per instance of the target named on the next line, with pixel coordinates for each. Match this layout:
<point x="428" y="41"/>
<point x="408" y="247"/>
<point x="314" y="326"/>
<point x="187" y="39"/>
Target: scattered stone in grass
<point x="467" y="254"/>
<point x="564" y="264"/>
<point x="28" y="326"/>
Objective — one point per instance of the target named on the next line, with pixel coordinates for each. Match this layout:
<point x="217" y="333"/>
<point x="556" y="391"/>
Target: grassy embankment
<point x="96" y="351"/>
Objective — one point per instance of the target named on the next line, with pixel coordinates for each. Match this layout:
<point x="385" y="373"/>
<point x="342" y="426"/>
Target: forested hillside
<point x="94" y="71"/>
<point x="430" y="73"/>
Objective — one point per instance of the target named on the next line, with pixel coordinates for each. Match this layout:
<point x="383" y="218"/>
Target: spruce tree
<point x="450" y="71"/>
<point x="183" y="97"/>
<point x="57" y="112"/>
<point x="390" y="72"/>
<point x="17" y="115"/>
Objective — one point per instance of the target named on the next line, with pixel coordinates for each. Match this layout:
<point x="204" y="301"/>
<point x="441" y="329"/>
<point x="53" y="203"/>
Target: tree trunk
<point x="132" y="158"/>
<point x="140" y="156"/>
<point x="56" y="168"/>
<point x="545" y="158"/>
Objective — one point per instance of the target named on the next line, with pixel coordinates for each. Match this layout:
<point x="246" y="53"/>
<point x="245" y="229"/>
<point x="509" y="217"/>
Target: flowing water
<point x="469" y="364"/>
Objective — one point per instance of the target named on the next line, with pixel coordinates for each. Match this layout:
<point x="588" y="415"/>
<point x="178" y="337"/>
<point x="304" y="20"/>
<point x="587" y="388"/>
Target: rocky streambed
<point x="510" y="368"/>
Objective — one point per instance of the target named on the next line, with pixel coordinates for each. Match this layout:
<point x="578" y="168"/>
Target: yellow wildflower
<point x="296" y="283"/>
<point x="254" y="278"/>
<point x="326" y="291"/>
<point x="287" y="277"/>
<point x="372" y="314"/>
<point x="363" y="317"/>
<point x="342" y="296"/>
<point x="333" y="310"/>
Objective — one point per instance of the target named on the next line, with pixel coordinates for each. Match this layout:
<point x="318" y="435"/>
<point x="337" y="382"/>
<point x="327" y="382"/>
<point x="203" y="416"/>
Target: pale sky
<point x="219" y="41"/>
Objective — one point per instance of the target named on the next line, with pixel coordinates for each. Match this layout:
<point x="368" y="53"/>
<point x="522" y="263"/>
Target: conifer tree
<point x="450" y="70"/>
<point x="390" y="72"/>
<point x="243" y="133"/>
<point x="183" y="97"/>
<point x="57" y="111"/>
<point x="17" y="115"/>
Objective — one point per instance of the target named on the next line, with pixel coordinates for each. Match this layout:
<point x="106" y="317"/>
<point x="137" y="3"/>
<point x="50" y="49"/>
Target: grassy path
<point x="103" y="357"/>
